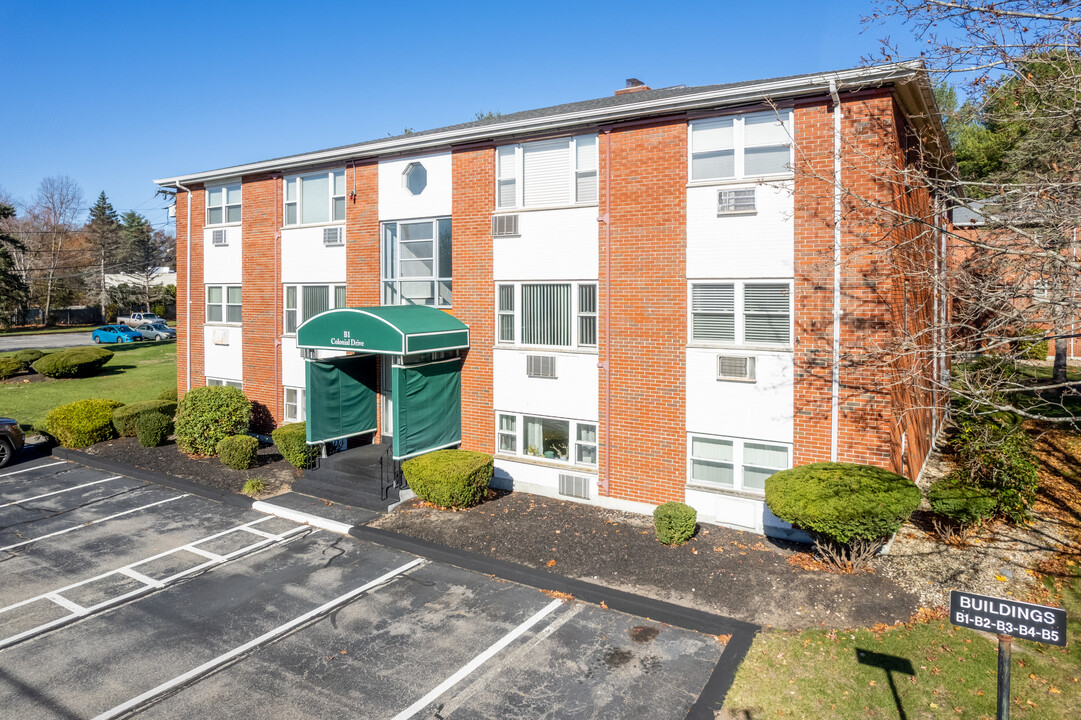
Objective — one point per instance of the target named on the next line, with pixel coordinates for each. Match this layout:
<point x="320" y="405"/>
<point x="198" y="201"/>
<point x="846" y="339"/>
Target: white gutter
<point x="790" y="87"/>
<point x="187" y="288"/>
<point x="835" y="390"/>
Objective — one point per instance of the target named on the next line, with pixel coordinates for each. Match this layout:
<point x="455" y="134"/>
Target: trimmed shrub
<point x="964" y="504"/>
<point x="995" y="452"/>
<point x="238" y="451"/>
<point x="1032" y="344"/>
<point x="8" y="367"/>
<point x="169" y="394"/>
<point x="82" y="423"/>
<point x="26" y="358"/>
<point x="292" y="442"/>
<point x="124" y="417"/>
<point x="208" y="414"/>
<point x="73" y="362"/>
<point x="674" y="522"/>
<point x="449" y="478"/>
<point x="153" y="429"/>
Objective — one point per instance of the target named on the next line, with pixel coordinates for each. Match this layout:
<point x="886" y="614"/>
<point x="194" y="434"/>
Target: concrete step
<point x="344" y="488"/>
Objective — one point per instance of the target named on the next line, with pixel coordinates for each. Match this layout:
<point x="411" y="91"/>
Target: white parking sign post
<point x="1007" y="619"/>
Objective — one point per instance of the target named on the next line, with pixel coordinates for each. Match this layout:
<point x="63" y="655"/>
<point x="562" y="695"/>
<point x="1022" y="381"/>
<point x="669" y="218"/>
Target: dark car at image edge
<point x="11" y="440"/>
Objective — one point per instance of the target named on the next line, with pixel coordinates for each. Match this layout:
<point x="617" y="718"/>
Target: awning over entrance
<point x="389" y="330"/>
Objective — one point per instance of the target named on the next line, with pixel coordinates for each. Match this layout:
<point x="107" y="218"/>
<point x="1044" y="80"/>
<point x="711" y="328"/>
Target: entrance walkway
<point x="353" y="477"/>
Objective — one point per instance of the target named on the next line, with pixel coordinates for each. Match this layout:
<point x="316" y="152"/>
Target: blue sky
<point x="117" y="93"/>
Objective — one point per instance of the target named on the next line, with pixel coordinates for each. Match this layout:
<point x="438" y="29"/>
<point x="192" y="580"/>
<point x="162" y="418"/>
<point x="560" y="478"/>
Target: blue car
<point x="116" y="333"/>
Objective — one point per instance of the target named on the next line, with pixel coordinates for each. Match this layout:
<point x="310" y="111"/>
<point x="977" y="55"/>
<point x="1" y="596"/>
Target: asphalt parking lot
<point x="119" y="597"/>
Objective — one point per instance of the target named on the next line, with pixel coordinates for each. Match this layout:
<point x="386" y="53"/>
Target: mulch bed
<point x="732" y="573"/>
<point x="272" y="469"/>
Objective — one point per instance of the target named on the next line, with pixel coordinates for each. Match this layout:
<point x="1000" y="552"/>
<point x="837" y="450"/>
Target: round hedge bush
<point x="26" y="358"/>
<point x="82" y="423"/>
<point x="842" y="501"/>
<point x="124" y="418"/>
<point x="449" y="478"/>
<point x="8" y="367"/>
<point x="208" y="414"/>
<point x="153" y="429"/>
<point x="674" y="522"/>
<point x="964" y="504"/>
<point x="292" y="442"/>
<point x="238" y="451"/>
<point x="169" y="394"/>
<point x="73" y="362"/>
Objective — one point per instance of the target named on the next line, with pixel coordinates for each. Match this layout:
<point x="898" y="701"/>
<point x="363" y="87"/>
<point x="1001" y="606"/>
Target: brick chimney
<point x="633" y="85"/>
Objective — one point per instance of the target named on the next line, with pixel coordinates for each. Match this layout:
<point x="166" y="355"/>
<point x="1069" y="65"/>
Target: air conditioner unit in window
<point x="218" y="237"/>
<point x="505" y="226"/>
<point x="735" y="202"/>
<point x="540" y="366"/>
<point x="333" y="236"/>
<point x="574" y="486"/>
<point x="730" y="367"/>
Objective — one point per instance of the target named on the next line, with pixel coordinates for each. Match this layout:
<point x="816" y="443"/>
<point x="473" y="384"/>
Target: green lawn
<point x="50" y="330"/>
<point x="139" y="371"/>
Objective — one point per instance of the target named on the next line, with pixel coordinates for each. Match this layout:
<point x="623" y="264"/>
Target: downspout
<point x="836" y="381"/>
<point x="279" y="403"/>
<point x="934" y="335"/>
<point x="604" y="485"/>
<point x="187" y="290"/>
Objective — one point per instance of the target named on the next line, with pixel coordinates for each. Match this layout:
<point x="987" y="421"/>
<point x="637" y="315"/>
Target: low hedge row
<point x="153" y="429"/>
<point x="292" y="442"/>
<point x="26" y="358"/>
<point x="124" y="418"/>
<point x="9" y="366"/>
<point x="82" y="423"/>
<point x="449" y="478"/>
<point x="73" y="362"/>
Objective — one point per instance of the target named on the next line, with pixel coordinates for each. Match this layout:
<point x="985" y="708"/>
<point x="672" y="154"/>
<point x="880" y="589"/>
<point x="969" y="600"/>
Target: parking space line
<point x="74" y="608"/>
<point x="301" y="517"/>
<point x="476" y="662"/>
<point x="205" y="553"/>
<point x="92" y="522"/>
<point x="58" y="492"/>
<point x="36" y="467"/>
<point x="136" y="575"/>
<point x="266" y="637"/>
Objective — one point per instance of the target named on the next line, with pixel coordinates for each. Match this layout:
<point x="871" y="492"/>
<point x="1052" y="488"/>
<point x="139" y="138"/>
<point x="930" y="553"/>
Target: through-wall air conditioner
<point x="540" y="366"/>
<point x="731" y="367"/>
<point x="736" y="201"/>
<point x="218" y="237"/>
<point x="505" y="225"/>
<point x="574" y="486"/>
<point x="333" y="236"/>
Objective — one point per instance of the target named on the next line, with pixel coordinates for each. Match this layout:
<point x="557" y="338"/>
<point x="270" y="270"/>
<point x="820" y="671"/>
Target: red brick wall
<point x="473" y="173"/>
<point x="262" y="304"/>
<point x="190" y="330"/>
<point x="648" y="220"/>
<point x="362" y="245"/>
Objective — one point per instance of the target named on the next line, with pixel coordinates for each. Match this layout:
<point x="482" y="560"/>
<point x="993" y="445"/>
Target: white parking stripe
<point x="262" y="639"/>
<point x="92" y="522"/>
<point x="58" y="492"/>
<point x="74" y="608"/>
<point x="477" y="662"/>
<point x="301" y="517"/>
<point x="36" y="467"/>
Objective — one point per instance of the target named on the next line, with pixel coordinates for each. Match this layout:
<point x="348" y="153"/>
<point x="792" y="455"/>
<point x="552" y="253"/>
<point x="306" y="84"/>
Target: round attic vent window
<point x="415" y="178"/>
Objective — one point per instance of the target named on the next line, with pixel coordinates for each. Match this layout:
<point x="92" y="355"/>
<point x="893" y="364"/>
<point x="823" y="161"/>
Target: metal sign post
<point x="1008" y="619"/>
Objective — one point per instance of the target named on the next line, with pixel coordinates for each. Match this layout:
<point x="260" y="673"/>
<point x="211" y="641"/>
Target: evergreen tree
<point x="144" y="251"/>
<point x="14" y="292"/>
<point x="104" y="235"/>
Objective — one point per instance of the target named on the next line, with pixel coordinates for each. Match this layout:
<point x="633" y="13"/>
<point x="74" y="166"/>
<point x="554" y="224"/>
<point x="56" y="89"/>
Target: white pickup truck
<point x="139" y="318"/>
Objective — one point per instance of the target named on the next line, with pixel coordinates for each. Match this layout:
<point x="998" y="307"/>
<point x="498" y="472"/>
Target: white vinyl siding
<point x="741" y="146"/>
<point x="547" y="173"/>
<point x="303" y="302"/>
<point x="223" y="204"/>
<point x="734" y="463"/>
<point x="547" y="314"/>
<point x="315" y="199"/>
<point x="741" y="312"/>
<point x="223" y="304"/>
<point x="555" y="439"/>
<point x="417" y="262"/>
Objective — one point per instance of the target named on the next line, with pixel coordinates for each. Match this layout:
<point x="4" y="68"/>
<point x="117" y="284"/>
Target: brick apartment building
<point x="637" y="292"/>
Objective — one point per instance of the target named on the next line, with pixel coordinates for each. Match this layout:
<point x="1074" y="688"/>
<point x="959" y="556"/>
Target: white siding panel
<point x="573" y="394"/>
<point x="553" y="245"/>
<point x="292" y="363"/>
<point x="397" y="203"/>
<point x="306" y="260"/>
<point x="738" y="246"/>
<point x="224" y="361"/>
<point x="761" y="410"/>
<point x="222" y="264"/>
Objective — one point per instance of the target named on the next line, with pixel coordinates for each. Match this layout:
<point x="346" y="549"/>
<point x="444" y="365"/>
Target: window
<point x="735" y="464"/>
<point x="585" y="445"/>
<point x="223" y="204"/>
<point x="217" y="382"/>
<point x="741" y="146"/>
<point x="417" y="263"/>
<point x="303" y="302"/>
<point x="547" y="173"/>
<point x="414" y="178"/>
<point x="742" y="313"/>
<point x="318" y="198"/>
<point x="549" y="314"/>
<point x="294" y="405"/>
<point x="556" y="439"/>
<point x="508" y="434"/>
<point x="223" y="304"/>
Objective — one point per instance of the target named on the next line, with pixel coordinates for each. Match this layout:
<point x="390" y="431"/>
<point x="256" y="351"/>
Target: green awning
<point x="427" y="407"/>
<point x="340" y="397"/>
<point x="389" y="330"/>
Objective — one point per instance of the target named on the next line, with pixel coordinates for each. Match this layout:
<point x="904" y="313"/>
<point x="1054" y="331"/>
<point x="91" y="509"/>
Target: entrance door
<point x="386" y="392"/>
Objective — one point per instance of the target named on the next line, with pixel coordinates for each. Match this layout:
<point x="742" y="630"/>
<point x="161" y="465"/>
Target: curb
<point x="301" y="517"/>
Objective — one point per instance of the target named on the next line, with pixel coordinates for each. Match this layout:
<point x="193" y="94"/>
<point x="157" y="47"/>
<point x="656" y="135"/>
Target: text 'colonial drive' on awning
<point x="341" y="393"/>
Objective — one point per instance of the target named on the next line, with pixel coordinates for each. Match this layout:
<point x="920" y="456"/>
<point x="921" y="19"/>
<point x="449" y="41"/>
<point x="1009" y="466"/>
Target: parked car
<point x="11" y="440"/>
<point x="116" y="333"/>
<point x="138" y="318"/>
<point x="156" y="331"/>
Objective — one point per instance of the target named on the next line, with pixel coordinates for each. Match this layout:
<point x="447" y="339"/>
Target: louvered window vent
<point x="504" y="226"/>
<point x="218" y="237"/>
<point x="574" y="486"/>
<point x="735" y="368"/>
<point x="540" y="366"/>
<point x="735" y="202"/>
<point x="333" y="236"/>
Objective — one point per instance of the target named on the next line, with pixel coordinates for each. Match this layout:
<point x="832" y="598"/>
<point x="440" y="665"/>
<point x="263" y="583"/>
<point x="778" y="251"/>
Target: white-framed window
<point x="303" y="302"/>
<point x="223" y="304"/>
<point x="741" y="146"/>
<point x="217" y="382"/>
<point x="547" y="314"/>
<point x="1041" y="290"/>
<point x="544" y="173"/>
<point x="223" y="204"/>
<point x="315" y="199"/>
<point x="294" y="405"/>
<point x="735" y="463"/>
<point x="557" y="439"/>
<point x="741" y="312"/>
<point x="417" y="262"/>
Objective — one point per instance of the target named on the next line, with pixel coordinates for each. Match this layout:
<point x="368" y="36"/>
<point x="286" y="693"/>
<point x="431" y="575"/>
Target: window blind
<point x="505" y="176"/>
<point x="713" y="312"/>
<point x="546" y="315"/>
<point x="547" y="172"/>
<point x="315" y="299"/>
<point x="766" y="315"/>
